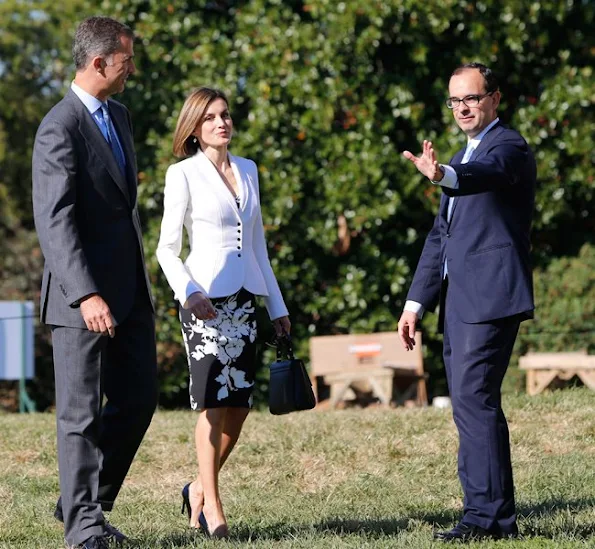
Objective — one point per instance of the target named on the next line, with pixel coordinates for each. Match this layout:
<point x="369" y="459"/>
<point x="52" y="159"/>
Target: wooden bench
<point x="376" y="361"/>
<point x="543" y="368"/>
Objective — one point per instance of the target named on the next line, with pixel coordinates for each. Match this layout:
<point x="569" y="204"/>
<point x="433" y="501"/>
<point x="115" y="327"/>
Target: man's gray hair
<point x="97" y="36"/>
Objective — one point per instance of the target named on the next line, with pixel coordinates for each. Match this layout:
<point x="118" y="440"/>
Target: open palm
<point x="426" y="163"/>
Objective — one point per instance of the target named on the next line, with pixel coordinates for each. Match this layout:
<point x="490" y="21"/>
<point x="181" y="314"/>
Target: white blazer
<point x="227" y="245"/>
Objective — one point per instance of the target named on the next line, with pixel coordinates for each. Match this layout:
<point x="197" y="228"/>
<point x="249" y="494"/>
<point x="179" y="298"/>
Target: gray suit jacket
<point x="86" y="214"/>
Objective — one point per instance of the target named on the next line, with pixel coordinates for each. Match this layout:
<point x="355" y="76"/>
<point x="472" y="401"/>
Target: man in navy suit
<point x="475" y="263"/>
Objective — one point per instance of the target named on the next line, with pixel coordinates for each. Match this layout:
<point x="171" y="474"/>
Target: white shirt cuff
<point x="414" y="307"/>
<point x="450" y="178"/>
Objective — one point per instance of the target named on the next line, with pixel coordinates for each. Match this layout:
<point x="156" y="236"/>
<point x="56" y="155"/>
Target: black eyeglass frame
<point x="450" y="101"/>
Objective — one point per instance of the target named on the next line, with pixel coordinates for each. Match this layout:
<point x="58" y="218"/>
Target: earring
<point x="194" y="140"/>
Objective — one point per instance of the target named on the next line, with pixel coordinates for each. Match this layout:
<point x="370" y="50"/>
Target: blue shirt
<point x="93" y="105"/>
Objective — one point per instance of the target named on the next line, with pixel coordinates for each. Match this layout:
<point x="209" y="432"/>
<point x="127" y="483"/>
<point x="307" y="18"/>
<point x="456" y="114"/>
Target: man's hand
<point x="406" y="329"/>
<point x="201" y="306"/>
<point x="426" y="163"/>
<point x="97" y="315"/>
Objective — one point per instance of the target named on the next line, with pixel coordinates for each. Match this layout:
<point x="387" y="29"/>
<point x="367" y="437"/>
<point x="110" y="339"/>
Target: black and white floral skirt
<point x="222" y="353"/>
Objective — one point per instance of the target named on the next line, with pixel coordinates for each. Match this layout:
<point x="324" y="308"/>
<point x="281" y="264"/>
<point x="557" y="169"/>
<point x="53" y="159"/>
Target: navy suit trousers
<point x="476" y="357"/>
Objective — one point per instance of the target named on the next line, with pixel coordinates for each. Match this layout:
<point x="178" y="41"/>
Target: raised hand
<point x="426" y="163"/>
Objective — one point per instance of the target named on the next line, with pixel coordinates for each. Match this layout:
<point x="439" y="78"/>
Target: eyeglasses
<point x="469" y="100"/>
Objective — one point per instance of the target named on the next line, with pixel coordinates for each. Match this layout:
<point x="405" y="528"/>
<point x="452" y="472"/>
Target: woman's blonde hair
<point x="191" y="116"/>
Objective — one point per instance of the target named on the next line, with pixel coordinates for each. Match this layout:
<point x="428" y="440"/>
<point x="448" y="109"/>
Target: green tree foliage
<point x="565" y="320"/>
<point x="325" y="95"/>
<point x="35" y="39"/>
<point x="565" y="316"/>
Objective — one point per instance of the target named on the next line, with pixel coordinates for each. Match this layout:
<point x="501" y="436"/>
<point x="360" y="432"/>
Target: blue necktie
<point x="112" y="139"/>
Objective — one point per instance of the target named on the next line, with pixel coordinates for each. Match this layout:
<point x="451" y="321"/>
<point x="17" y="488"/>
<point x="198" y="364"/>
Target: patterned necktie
<point x="112" y="140"/>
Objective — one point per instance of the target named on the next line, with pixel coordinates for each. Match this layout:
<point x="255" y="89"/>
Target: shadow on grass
<point x="526" y="512"/>
<point x="282" y="531"/>
<point x="276" y="532"/>
<point x="552" y="506"/>
<point x="381" y="527"/>
<point x="384" y="527"/>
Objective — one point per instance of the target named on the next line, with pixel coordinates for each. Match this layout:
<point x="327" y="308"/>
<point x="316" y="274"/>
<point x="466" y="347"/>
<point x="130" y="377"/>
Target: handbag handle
<point x="284" y="342"/>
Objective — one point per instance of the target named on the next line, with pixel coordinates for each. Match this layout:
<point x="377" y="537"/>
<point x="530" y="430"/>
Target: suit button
<point x="239" y="255"/>
<point x="447" y="235"/>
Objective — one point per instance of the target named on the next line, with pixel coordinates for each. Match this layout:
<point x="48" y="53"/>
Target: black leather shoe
<point x="114" y="535"/>
<point x="464" y="533"/>
<point x="94" y="542"/>
<point x="111" y="532"/>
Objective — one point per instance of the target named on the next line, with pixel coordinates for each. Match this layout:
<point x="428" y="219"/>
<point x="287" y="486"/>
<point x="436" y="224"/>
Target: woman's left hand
<point x="282" y="325"/>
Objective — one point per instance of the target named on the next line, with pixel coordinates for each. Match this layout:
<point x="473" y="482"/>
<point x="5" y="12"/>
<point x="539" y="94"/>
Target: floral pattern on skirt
<point x="221" y="353"/>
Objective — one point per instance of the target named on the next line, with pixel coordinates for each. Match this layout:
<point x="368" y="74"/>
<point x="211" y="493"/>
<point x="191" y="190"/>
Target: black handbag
<point x="290" y="389"/>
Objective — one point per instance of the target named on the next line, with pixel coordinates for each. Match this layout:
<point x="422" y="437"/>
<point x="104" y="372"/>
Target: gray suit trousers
<point x="106" y="393"/>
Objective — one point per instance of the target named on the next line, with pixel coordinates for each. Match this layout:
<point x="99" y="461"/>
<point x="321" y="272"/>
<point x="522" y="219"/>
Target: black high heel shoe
<point x="186" y="500"/>
<point x="202" y="520"/>
<point x="219" y="532"/>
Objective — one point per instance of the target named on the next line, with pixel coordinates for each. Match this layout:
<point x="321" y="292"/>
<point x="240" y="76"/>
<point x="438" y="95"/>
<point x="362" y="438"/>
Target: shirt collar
<point x="475" y="141"/>
<point x="90" y="101"/>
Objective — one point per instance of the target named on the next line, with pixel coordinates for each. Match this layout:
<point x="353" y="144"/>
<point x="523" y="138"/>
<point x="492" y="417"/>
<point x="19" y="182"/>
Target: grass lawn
<point x="349" y="478"/>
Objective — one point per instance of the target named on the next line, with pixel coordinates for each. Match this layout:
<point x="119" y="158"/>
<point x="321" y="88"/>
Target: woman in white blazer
<point x="215" y="196"/>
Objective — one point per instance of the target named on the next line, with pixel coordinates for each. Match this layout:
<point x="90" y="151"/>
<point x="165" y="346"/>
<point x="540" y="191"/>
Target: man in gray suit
<point x="95" y="293"/>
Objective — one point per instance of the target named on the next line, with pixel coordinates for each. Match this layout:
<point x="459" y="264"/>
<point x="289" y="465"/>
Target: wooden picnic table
<point x="377" y="361"/>
<point x="544" y="368"/>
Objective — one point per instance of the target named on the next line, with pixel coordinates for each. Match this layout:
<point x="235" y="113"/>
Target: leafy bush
<point x="325" y="96"/>
<point x="565" y="310"/>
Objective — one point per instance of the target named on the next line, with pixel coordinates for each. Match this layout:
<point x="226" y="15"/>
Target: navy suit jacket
<point x="486" y="241"/>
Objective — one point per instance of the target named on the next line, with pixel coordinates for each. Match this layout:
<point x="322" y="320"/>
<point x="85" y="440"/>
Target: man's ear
<point x="98" y="63"/>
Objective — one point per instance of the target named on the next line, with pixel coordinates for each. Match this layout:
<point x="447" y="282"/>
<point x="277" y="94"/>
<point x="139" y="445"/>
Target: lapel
<point x="216" y="184"/>
<point x="95" y="139"/>
<point x="483" y="145"/>
<point x="125" y="136"/>
<point x="486" y="141"/>
<point x="242" y="180"/>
